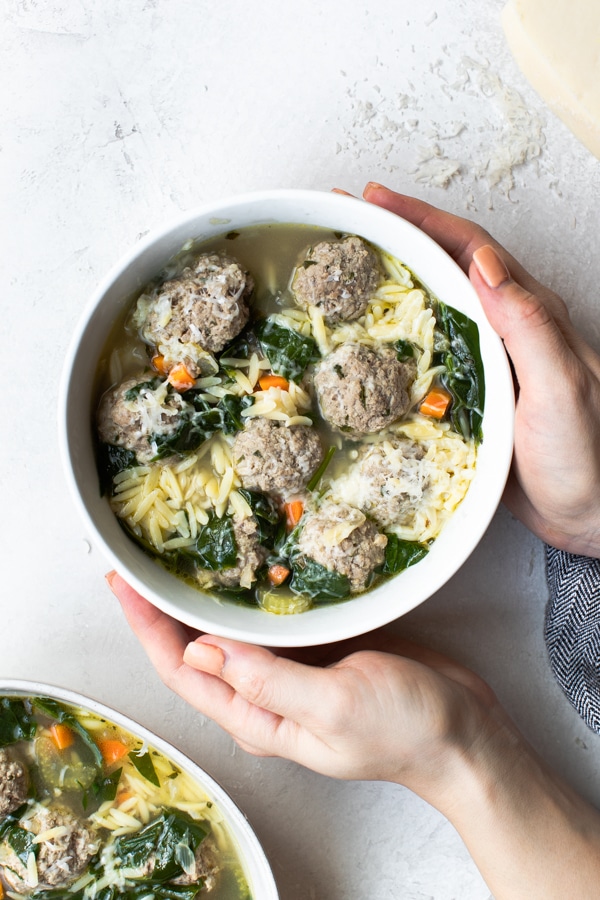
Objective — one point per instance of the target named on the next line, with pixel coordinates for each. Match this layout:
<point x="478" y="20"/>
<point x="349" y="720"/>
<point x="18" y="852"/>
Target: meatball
<point x="275" y="458"/>
<point x="250" y="557"/>
<point x="362" y="390"/>
<point x="338" y="277"/>
<point x="201" y="310"/>
<point x="60" y="859"/>
<point x="387" y="481"/>
<point x="136" y="412"/>
<point x="14" y="783"/>
<point x="341" y="538"/>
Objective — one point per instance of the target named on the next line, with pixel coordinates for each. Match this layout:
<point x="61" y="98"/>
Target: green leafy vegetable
<point x="162" y="840"/>
<point x="54" y="710"/>
<point x="16" y="723"/>
<point x="288" y="351"/>
<point x="145" y="767"/>
<point x="399" y="554"/>
<point x="21" y="841"/>
<point x="201" y="422"/>
<point x="145" y="889"/>
<point x="134" y="392"/>
<point x="215" y="548"/>
<point x="314" y="481"/>
<point x="322" y="585"/>
<point x="112" y="460"/>
<point x="457" y="347"/>
<point x="404" y="350"/>
<point x="105" y="787"/>
<point x="265" y="512"/>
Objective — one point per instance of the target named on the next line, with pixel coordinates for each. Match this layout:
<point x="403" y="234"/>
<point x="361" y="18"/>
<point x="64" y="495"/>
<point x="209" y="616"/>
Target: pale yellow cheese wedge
<point x="556" y="43"/>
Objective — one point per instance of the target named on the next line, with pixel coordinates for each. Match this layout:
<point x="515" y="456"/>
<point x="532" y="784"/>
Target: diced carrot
<point x="159" y="364"/>
<point x="122" y="796"/>
<point x="180" y="378"/>
<point x="436" y="403"/>
<point x="61" y="735"/>
<point x="277" y="574"/>
<point x="112" y="750"/>
<point x="2" y="895"/>
<point x="269" y="381"/>
<point x="293" y="513"/>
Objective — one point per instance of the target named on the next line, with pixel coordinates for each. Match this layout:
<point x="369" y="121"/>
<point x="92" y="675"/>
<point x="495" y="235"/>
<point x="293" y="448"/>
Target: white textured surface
<point x="116" y="115"/>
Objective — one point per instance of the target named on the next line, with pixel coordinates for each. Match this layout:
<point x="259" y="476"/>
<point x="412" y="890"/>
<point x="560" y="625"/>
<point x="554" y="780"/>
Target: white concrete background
<point x="116" y="115"/>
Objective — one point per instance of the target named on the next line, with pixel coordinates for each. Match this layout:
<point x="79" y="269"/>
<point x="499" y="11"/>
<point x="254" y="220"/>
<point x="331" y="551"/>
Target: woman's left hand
<point x="377" y="707"/>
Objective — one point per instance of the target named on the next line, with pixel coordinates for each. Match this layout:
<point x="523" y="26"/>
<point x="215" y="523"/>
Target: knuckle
<point x="256" y="689"/>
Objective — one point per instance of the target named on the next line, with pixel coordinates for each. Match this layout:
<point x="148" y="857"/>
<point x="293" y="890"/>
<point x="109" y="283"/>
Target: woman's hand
<point x="554" y="488"/>
<point x="377" y="707"/>
<point x="390" y="710"/>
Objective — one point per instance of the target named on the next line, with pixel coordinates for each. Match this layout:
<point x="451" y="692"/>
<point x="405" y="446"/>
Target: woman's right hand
<point x="554" y="487"/>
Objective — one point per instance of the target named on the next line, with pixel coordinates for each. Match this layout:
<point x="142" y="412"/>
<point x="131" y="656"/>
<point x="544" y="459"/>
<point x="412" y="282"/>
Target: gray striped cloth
<point x="572" y="630"/>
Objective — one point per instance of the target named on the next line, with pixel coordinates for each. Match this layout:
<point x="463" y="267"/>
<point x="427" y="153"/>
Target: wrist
<point x="531" y="836"/>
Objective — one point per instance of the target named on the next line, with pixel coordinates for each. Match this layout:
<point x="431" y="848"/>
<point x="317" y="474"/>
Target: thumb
<point x="531" y="334"/>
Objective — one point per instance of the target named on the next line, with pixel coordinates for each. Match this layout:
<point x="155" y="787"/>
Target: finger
<point x="459" y="237"/>
<point x="539" y="344"/>
<point x="283" y="686"/>
<point x="164" y="641"/>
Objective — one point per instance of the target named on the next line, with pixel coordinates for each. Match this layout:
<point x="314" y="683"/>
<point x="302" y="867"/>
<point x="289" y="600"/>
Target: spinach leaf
<point x="201" y="422"/>
<point x="314" y="481"/>
<point x="265" y="512"/>
<point x="288" y="351"/>
<point x="404" y="350"/>
<point x="16" y="723"/>
<point x="112" y="459"/>
<point x="160" y="891"/>
<point x="457" y="345"/>
<point x="103" y="787"/>
<point x="8" y="822"/>
<point x="22" y="842"/>
<point x="215" y="548"/>
<point x="134" y="392"/>
<point x="161" y="839"/>
<point x="399" y="554"/>
<point x="145" y="767"/>
<point x="320" y="584"/>
<point x="54" y="710"/>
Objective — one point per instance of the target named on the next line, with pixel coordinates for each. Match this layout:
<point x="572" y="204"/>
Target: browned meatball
<point x="361" y="390"/>
<point x="275" y="458"/>
<point x="60" y="859"/>
<point x="202" y="309"/>
<point x="343" y="540"/>
<point x="14" y="783"/>
<point x="338" y="277"/>
<point x="136" y="412"/>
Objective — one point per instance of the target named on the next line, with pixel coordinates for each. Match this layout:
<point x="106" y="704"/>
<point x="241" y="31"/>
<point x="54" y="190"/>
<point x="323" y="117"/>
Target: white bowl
<point x="250" y="853"/>
<point x="324" y="623"/>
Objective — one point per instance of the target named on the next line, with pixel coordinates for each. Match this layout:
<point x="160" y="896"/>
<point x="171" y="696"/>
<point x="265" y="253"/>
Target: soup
<point x="88" y="810"/>
<point x="287" y="417"/>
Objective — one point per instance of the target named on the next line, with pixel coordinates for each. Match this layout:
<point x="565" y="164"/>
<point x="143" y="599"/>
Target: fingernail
<point x="374" y="185"/>
<point x="110" y="577"/>
<point x="490" y="266"/>
<point x="340" y="191"/>
<point x="206" y="657"/>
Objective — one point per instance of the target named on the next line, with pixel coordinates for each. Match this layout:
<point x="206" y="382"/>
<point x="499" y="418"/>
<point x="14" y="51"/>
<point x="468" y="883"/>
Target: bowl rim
<point x="329" y="623"/>
<point x="256" y="867"/>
